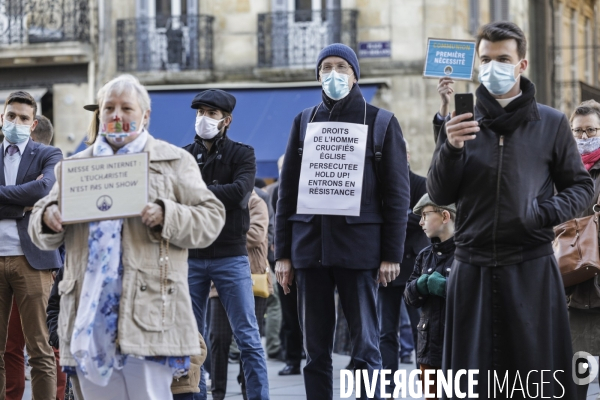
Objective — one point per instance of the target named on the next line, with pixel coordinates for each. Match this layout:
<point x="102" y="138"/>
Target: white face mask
<point x="207" y="128"/>
<point x="586" y="146"/>
<point x="119" y="129"/>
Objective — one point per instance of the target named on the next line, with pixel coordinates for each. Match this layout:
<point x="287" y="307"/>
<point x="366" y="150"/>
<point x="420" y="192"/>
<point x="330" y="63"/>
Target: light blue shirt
<point x="10" y="243"/>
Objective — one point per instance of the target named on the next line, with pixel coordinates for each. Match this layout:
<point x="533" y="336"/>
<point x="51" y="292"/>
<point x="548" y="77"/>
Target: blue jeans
<point x="231" y="276"/>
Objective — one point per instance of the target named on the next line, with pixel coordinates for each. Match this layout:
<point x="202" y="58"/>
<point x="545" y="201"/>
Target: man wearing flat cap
<point x="352" y="253"/>
<point x="228" y="169"/>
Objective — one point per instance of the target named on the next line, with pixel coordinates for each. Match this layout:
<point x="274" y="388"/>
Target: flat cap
<point x="214" y="98"/>
<point x="426" y="201"/>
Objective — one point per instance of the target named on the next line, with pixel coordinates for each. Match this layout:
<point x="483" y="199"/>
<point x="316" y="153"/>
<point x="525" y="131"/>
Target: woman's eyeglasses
<point x="589" y="132"/>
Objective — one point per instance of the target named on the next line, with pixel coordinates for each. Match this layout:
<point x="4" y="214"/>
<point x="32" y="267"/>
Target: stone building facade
<point x="261" y="47"/>
<point x="47" y="48"/>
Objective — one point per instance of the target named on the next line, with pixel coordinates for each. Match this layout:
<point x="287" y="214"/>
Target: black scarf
<point x="505" y="120"/>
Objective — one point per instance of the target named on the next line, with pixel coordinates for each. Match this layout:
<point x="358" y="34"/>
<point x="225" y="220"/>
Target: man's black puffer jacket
<point x="504" y="187"/>
<point x="228" y="170"/>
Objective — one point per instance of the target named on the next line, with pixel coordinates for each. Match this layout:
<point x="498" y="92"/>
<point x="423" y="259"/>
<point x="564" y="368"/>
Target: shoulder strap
<point x="382" y="120"/>
<point x="306" y="115"/>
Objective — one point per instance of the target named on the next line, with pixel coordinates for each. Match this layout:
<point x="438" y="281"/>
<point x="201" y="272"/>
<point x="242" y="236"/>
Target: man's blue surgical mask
<point x="497" y="77"/>
<point x="15" y="133"/>
<point x="335" y="85"/>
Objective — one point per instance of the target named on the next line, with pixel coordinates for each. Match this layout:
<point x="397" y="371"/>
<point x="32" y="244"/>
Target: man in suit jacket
<point x="27" y="175"/>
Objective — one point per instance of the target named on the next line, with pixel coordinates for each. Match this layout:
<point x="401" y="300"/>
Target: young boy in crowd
<point x="426" y="287"/>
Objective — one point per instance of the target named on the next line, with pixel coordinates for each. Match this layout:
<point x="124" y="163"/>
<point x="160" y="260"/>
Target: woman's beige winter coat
<point x="193" y="218"/>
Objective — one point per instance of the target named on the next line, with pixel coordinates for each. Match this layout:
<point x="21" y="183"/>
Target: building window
<point x="588" y="51"/>
<point x="473" y="16"/>
<point x="303" y="4"/>
<point x="573" y="43"/>
<point x="574" y="61"/>
<point x="163" y="7"/>
<point x="498" y="10"/>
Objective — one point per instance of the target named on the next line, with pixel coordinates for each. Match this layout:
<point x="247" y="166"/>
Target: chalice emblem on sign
<point x="104" y="203"/>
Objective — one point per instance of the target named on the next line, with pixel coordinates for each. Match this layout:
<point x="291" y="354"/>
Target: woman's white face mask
<point x="206" y="127"/>
<point x="119" y="128"/>
<point x="589" y="145"/>
<point x="121" y="117"/>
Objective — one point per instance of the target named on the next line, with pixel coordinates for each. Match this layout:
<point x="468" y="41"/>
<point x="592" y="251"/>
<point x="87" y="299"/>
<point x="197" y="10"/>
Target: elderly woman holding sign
<point x="125" y="280"/>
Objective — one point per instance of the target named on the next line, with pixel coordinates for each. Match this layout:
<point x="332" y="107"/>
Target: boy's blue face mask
<point x="335" y="85"/>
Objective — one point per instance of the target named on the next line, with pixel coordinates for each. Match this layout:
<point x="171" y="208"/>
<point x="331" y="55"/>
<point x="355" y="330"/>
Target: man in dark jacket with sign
<point x="228" y="169"/>
<point x="514" y="173"/>
<point x="352" y="253"/>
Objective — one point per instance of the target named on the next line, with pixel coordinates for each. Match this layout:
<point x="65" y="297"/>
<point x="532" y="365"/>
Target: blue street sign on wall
<point x="374" y="49"/>
<point x="452" y="58"/>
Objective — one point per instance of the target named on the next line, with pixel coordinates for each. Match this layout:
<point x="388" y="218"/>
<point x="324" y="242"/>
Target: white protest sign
<point x="101" y="188"/>
<point x="333" y="163"/>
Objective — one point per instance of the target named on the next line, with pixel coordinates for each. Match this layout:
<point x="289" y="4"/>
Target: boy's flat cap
<point x="426" y="201"/>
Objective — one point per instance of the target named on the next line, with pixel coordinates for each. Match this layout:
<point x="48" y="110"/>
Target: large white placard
<point x="333" y="163"/>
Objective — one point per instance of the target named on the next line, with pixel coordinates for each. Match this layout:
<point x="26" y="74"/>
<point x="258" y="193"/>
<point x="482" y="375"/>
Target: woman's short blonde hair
<point x="125" y="83"/>
<point x="93" y="128"/>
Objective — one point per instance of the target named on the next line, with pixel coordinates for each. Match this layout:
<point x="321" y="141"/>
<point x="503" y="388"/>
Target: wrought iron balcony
<point x="294" y="39"/>
<point x="42" y="21"/>
<point x="165" y="43"/>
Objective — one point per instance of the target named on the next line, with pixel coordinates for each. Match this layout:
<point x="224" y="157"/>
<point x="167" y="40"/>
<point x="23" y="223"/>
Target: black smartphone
<point x="463" y="103"/>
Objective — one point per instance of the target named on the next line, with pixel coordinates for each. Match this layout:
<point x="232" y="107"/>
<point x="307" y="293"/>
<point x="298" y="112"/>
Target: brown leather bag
<point x="576" y="248"/>
<point x="189" y="383"/>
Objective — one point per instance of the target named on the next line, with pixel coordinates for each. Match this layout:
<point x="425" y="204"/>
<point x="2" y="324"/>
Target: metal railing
<point x="165" y="43"/>
<point x="294" y="39"/>
<point x="42" y="21"/>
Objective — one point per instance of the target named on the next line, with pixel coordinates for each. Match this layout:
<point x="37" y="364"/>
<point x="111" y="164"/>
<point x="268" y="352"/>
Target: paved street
<point x="292" y="387"/>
